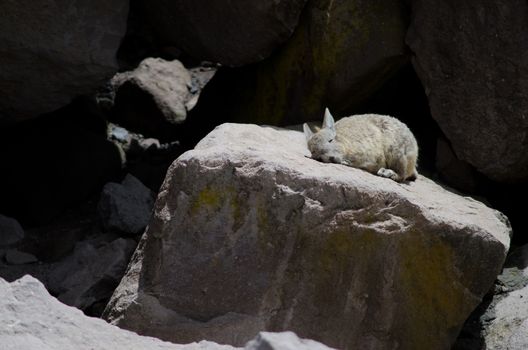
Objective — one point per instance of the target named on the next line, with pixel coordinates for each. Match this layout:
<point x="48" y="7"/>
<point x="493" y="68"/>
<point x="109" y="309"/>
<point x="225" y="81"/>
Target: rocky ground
<point x="152" y="174"/>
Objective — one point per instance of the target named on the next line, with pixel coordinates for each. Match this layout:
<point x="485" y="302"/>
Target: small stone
<point x="283" y="341"/>
<point x="15" y="257"/>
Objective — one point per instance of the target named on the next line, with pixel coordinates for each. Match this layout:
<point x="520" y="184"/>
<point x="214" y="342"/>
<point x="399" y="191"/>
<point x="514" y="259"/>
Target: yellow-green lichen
<point x="435" y="301"/>
<point x="208" y="198"/>
<point x="333" y="57"/>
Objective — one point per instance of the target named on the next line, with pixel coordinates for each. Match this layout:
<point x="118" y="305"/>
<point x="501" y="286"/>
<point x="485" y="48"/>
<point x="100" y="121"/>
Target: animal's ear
<point x="328" y="121"/>
<point x="307" y="131"/>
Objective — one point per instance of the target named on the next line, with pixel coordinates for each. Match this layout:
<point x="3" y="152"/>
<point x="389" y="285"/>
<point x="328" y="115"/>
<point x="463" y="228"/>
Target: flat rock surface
<point x="250" y="234"/>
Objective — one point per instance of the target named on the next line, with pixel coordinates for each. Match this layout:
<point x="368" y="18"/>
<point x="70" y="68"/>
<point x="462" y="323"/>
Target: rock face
<point x="156" y="95"/>
<point x="32" y="319"/>
<point x="501" y="322"/>
<point x="341" y="52"/>
<point x="233" y="32"/>
<point x="52" y="51"/>
<point x="471" y="57"/>
<point x="125" y="207"/>
<point x="249" y="234"/>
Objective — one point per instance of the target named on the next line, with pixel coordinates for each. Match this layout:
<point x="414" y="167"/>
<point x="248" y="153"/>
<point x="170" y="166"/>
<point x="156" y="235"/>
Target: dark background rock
<point x="471" y="57"/>
<point x="125" y="207"/>
<point x="341" y="53"/>
<point x="10" y="231"/>
<point x="77" y="263"/>
<point x="53" y="51"/>
<point x="233" y="33"/>
<point x="53" y="162"/>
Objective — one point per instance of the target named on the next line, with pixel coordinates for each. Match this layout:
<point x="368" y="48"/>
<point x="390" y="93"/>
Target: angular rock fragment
<point x="125" y="207"/>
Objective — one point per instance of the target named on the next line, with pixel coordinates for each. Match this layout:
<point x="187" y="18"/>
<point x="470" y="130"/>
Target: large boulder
<point x="471" y="57"/>
<point x="341" y="52"/>
<point x="250" y="234"/>
<point x="233" y="32"/>
<point x="52" y="51"/>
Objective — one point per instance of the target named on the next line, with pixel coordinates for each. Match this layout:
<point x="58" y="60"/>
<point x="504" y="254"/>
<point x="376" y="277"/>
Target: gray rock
<point x="509" y="329"/>
<point x="16" y="257"/>
<point x="234" y="32"/>
<point x="249" y="234"/>
<point x="53" y="51"/>
<point x="10" y="231"/>
<point x="91" y="273"/>
<point x="32" y="319"/>
<point x="167" y="83"/>
<point x="471" y="58"/>
<point x="283" y="341"/>
<point x="502" y="321"/>
<point x="125" y="207"/>
<point x="157" y="95"/>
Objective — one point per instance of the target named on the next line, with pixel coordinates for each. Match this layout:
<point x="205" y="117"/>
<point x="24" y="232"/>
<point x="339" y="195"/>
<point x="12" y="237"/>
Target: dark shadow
<point x="54" y="162"/>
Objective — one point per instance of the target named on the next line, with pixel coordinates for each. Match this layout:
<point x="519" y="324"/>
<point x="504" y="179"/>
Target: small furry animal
<point x="379" y="144"/>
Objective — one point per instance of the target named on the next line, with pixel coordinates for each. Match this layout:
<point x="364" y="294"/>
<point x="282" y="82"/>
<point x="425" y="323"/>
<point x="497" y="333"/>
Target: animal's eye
<point x="332" y="140"/>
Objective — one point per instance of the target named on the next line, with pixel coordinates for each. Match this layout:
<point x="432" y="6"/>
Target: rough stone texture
<point x="249" y="234"/>
<point x="283" y="341"/>
<point x="32" y="319"/>
<point x="125" y="207"/>
<point x="10" y="231"/>
<point x="52" y="51"/>
<point x="90" y="274"/>
<point x="501" y="322"/>
<point x="471" y="57"/>
<point x="156" y="95"/>
<point x="81" y="271"/>
<point x="509" y="329"/>
<point x="234" y="32"/>
<point x="341" y="52"/>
